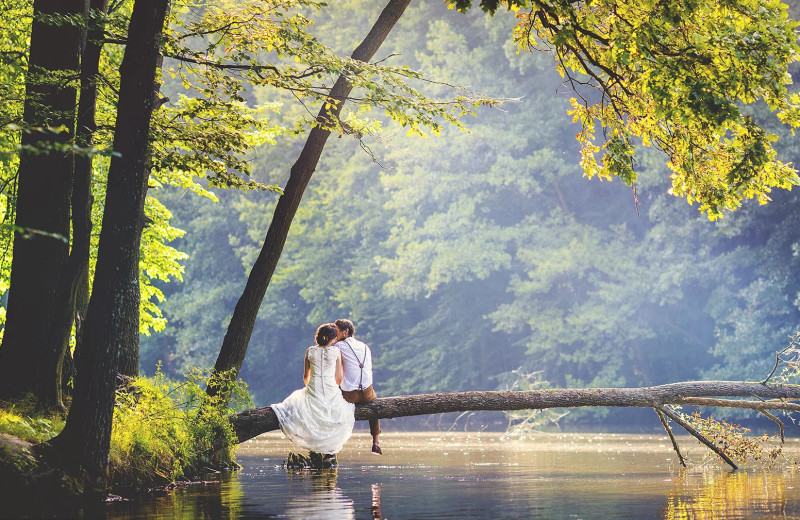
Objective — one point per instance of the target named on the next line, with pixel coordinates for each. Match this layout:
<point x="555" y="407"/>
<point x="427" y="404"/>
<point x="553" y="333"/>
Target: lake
<point x="480" y="475"/>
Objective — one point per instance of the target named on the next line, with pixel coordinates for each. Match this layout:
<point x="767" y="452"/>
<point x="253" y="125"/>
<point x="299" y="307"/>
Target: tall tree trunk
<point x="42" y="206"/>
<point x="84" y="442"/>
<point x="76" y="269"/>
<point x="237" y="337"/>
<point x="129" y="344"/>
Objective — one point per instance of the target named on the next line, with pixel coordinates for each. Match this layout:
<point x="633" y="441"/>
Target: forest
<point x="471" y="258"/>
<point x="519" y="194"/>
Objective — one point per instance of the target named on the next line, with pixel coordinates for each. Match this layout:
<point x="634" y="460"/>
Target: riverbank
<point x="163" y="432"/>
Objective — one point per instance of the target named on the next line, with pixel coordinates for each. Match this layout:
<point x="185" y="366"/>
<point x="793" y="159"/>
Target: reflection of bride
<point x="317" y="417"/>
<point x="314" y="496"/>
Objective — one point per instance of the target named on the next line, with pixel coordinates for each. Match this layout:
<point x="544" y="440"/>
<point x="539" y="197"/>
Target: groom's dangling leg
<point x="375" y="431"/>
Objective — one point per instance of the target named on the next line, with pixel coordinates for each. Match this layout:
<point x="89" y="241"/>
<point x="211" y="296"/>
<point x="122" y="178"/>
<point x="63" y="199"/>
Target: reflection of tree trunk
<point x="76" y="268"/>
<point x="84" y="442"/>
<point x="237" y="337"/>
<point x="43" y="197"/>
<point x="254" y="422"/>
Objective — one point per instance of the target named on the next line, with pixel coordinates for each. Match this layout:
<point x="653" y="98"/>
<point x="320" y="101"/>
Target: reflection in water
<point x="314" y="495"/>
<point x="376" y="501"/>
<point x="713" y="494"/>
<point x="474" y="476"/>
<point x="231" y="500"/>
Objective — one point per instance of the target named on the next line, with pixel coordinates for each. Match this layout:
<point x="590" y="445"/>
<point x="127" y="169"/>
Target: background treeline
<point x="467" y="256"/>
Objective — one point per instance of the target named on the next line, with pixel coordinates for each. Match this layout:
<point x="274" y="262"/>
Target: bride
<point x="317" y="417"/>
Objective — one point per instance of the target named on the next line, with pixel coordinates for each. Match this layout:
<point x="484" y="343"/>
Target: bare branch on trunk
<point x="777" y="421"/>
<point x="671" y="436"/>
<point x="699" y="436"/>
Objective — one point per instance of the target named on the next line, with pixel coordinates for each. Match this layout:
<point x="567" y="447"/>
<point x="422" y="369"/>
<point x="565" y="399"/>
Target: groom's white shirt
<point x="354" y="353"/>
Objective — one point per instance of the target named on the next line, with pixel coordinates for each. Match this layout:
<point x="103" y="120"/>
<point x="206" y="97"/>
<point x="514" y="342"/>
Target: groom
<point x="357" y="383"/>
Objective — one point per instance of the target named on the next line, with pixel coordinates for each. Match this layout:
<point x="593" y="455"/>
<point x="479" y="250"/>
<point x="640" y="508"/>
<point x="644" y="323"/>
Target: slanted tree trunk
<point x="84" y="442"/>
<point x="254" y="422"/>
<point x="76" y="269"/>
<point x="237" y="337"/>
<point x="43" y="198"/>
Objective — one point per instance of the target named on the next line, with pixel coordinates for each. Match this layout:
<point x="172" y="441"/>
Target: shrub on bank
<point x="165" y="430"/>
<point x="162" y="431"/>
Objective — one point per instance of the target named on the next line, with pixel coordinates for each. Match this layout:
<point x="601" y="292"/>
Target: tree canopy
<point x="676" y="75"/>
<point x="466" y="257"/>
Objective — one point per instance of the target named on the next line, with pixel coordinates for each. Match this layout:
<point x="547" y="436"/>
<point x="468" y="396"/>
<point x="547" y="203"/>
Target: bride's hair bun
<point x="325" y="333"/>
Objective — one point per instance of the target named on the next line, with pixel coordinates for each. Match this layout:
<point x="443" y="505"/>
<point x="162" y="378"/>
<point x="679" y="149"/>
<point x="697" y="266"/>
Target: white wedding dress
<point x="317" y="417"/>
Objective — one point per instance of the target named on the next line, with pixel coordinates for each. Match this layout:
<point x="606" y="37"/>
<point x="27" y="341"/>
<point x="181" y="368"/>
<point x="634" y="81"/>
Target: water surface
<point x="480" y="475"/>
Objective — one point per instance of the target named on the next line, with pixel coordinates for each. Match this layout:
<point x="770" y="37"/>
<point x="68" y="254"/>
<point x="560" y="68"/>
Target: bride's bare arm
<point x="306" y="368"/>
<point x="339" y="370"/>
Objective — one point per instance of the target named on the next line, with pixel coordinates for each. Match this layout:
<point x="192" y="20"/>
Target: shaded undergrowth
<point x="163" y="430"/>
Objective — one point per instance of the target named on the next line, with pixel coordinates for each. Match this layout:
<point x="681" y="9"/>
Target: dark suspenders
<point x="360" y="363"/>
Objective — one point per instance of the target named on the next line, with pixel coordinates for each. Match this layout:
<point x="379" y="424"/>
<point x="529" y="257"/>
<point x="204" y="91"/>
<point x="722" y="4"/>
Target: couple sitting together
<point x="337" y="373"/>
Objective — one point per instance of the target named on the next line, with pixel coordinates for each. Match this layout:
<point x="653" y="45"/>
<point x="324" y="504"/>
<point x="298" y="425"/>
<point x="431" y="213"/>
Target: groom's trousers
<point x="364" y="396"/>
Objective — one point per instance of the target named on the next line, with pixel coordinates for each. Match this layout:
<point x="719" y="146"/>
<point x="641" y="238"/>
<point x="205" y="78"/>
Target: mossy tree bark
<point x="43" y="198"/>
<point x="114" y="303"/>
<point x="76" y="269"/>
<point x="237" y="337"/>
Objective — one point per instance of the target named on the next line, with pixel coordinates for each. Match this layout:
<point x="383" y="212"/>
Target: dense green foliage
<point x="464" y="257"/>
<point x="163" y="430"/>
<point x="674" y="75"/>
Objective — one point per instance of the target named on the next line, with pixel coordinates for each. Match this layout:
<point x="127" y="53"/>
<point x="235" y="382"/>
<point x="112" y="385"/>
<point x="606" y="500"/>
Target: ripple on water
<point x="463" y="475"/>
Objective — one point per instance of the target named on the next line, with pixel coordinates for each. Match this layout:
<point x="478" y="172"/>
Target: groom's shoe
<point x="376" y="449"/>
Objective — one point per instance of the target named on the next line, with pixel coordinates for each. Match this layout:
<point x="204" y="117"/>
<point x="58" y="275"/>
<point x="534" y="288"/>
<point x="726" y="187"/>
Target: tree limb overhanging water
<point x="251" y="423"/>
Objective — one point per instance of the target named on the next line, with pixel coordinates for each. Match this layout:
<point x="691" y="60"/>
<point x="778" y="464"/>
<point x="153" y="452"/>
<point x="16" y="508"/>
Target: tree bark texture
<point x="237" y="337"/>
<point x="84" y="442"/>
<point x="76" y="268"/>
<point x="43" y="198"/>
<point x="251" y="423"/>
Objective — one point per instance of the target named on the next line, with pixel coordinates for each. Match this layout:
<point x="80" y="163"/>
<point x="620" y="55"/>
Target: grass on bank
<point x="162" y="431"/>
<point x="22" y="420"/>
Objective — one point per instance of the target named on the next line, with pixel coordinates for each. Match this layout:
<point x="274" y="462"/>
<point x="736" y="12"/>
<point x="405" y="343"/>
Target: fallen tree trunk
<point x="251" y="423"/>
